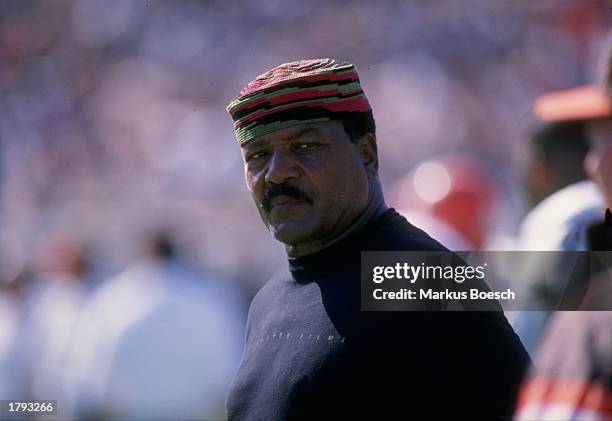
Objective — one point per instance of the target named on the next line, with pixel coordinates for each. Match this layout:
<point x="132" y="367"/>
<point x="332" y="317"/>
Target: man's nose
<point x="281" y="167"/>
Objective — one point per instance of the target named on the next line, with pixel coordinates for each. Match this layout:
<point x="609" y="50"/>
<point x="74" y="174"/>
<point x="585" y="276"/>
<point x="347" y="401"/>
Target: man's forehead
<point x="294" y="132"/>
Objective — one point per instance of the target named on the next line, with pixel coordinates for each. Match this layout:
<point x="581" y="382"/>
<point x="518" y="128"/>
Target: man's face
<point x="308" y="181"/>
<point x="598" y="162"/>
<point x="537" y="180"/>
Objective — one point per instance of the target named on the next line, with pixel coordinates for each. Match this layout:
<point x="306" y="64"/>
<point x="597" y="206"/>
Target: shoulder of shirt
<point x="559" y="222"/>
<point x="261" y="300"/>
<point x="394" y="232"/>
<point x="563" y="206"/>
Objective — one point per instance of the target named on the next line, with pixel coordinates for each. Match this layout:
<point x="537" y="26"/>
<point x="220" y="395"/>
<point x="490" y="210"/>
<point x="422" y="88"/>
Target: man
<point x="572" y="379"/>
<point x="566" y="203"/>
<point x="134" y="353"/>
<point x="308" y="140"/>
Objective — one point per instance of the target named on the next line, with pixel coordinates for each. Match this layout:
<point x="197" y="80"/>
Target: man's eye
<point x="256" y="155"/>
<point x="307" y="146"/>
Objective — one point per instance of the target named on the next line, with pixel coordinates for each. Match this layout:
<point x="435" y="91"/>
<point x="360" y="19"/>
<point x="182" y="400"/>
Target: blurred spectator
<point x="14" y="367"/>
<point x="566" y="204"/>
<point x="158" y="341"/>
<point x="572" y="379"/>
<point x="51" y="310"/>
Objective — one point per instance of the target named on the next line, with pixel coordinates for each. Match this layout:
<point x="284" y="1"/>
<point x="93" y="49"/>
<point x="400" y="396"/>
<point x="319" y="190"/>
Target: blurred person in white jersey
<point x="565" y="201"/>
<point x="158" y="341"/>
<point x="572" y="378"/>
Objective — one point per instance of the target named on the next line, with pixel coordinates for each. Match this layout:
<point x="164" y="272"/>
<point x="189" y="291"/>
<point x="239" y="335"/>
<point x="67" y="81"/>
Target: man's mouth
<point x="282" y="196"/>
<point x="285" y="202"/>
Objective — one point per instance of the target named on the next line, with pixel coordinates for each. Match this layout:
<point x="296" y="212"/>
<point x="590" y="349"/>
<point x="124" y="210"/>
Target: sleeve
<point x="573" y="374"/>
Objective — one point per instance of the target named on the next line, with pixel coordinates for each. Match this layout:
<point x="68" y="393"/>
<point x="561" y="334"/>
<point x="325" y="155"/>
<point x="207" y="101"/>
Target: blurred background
<point x="123" y="207"/>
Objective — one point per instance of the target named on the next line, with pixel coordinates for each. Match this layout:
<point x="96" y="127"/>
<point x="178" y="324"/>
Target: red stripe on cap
<point x="359" y="104"/>
<point x="258" y="85"/>
<point x="295" y="96"/>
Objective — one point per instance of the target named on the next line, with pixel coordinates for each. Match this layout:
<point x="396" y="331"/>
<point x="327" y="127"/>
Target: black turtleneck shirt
<point x="311" y="352"/>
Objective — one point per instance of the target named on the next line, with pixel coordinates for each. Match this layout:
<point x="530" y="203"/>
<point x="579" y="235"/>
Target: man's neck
<point x="374" y="209"/>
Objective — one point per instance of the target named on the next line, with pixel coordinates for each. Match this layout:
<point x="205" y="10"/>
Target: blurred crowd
<point x="123" y="209"/>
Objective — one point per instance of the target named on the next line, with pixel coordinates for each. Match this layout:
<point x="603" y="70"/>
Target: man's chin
<point x="290" y="233"/>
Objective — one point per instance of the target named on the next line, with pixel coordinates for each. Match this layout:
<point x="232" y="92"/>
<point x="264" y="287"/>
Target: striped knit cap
<point x="305" y="91"/>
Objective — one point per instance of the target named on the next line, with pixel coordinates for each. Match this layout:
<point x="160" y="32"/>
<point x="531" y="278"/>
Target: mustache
<point x="282" y="190"/>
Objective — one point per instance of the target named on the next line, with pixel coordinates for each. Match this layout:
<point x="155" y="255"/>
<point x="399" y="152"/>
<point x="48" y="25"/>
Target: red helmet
<point x="457" y="190"/>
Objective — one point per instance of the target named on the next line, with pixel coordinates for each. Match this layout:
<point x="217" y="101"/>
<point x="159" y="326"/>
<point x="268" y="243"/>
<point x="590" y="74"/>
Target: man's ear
<point x="368" y="151"/>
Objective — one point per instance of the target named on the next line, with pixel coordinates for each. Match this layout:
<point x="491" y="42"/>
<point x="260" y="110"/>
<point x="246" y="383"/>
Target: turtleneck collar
<point x="338" y="253"/>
